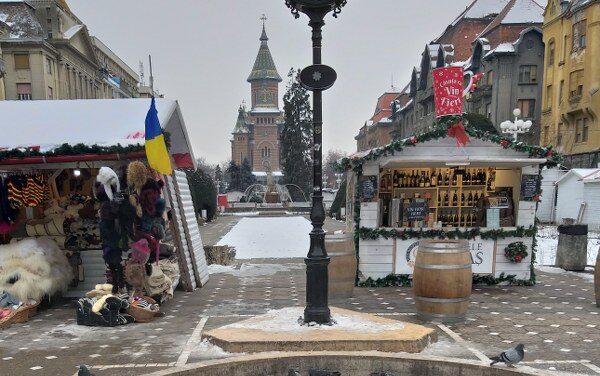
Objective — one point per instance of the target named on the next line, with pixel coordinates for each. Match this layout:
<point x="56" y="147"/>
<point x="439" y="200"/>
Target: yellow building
<point x="571" y="98"/>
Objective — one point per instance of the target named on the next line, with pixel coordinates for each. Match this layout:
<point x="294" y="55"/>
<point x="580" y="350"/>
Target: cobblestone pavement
<point x="557" y="320"/>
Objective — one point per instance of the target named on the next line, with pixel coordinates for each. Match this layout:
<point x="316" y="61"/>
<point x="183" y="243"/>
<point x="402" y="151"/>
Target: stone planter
<point x="571" y="253"/>
<point x="342" y="268"/>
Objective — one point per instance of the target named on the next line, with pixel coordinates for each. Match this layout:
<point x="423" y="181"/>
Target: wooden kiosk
<point x="426" y="186"/>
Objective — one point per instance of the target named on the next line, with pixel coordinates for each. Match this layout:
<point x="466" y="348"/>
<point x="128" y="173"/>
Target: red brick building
<point x="257" y="132"/>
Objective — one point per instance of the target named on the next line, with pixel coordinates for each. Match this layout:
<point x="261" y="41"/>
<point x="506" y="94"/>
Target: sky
<point x="203" y="51"/>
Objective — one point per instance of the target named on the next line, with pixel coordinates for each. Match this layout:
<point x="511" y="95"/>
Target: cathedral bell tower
<point x="264" y="78"/>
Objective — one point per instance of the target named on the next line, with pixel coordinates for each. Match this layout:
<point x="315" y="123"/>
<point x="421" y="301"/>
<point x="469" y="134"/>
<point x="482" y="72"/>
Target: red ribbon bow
<point x="458" y="132"/>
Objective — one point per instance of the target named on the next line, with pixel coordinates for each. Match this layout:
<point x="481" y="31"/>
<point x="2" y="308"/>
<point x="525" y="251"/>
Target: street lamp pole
<point x="318" y="78"/>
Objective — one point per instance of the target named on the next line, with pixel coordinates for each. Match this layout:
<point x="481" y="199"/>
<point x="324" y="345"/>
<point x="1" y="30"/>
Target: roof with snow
<point x="587" y="175"/>
<point x="481" y="9"/>
<point x="21" y="21"/>
<point x="517" y="12"/>
<point x="241" y="125"/>
<point x="46" y="125"/>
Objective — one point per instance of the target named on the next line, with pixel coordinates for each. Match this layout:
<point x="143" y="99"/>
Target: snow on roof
<point x="103" y="122"/>
<point x="502" y="48"/>
<point x="21" y="20"/>
<point x="108" y="52"/>
<point x="524" y="11"/>
<point x="69" y="33"/>
<point x="587" y="175"/>
<point x="276" y="174"/>
<point x="481" y="9"/>
<point x="265" y="110"/>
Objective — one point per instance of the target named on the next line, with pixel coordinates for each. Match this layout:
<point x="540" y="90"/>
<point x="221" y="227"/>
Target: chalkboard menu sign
<point x="368" y="185"/>
<point x="417" y="211"/>
<point x="528" y="187"/>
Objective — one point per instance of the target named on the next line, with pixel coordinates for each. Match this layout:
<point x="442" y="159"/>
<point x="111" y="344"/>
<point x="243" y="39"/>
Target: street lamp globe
<point x="527" y="125"/>
<point x="517" y="112"/>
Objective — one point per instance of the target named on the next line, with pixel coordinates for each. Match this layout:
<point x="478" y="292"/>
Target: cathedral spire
<point x="264" y="66"/>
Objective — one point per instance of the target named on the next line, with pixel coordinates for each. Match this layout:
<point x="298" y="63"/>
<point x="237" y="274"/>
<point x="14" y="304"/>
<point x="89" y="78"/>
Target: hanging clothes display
<point x="17" y="191"/>
<point x="7" y="213"/>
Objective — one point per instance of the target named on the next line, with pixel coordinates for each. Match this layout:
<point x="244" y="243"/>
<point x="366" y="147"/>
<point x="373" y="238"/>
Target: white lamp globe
<point x="517" y="112"/>
<point x="527" y="125"/>
<point x="519" y="123"/>
<point x="504" y="125"/>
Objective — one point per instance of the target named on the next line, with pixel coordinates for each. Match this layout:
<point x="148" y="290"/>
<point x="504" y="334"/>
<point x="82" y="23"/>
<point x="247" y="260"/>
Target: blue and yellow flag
<point x="156" y="148"/>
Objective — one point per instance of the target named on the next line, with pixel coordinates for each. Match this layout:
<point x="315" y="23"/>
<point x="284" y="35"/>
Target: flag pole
<point x="151" y="76"/>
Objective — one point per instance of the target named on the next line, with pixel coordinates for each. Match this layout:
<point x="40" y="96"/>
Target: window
<point x="560" y="91"/>
<point x="549" y="95"/>
<point x="50" y="35"/>
<point x="48" y="66"/>
<point x="559" y="135"/>
<point x="528" y="74"/>
<point x="551" y="50"/>
<point x="24" y="92"/>
<point x="581" y="130"/>
<point x="21" y="61"/>
<point x="266" y="152"/>
<point x="489" y="78"/>
<point x="565" y="48"/>
<point x="527" y="107"/>
<point x="579" y="37"/>
<point x="50" y="93"/>
<point x="576" y="84"/>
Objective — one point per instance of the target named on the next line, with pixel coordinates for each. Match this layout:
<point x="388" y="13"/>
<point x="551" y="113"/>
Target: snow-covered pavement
<point x="269" y="237"/>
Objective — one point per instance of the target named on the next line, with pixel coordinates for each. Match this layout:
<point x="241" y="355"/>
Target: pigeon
<point x="510" y="357"/>
<point x="293" y="372"/>
<point x="84" y="371"/>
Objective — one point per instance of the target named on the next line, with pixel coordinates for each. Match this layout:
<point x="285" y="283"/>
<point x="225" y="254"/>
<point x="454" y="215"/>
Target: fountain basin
<point x="347" y="363"/>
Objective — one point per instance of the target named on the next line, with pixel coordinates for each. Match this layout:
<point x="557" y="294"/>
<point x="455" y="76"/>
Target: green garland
<point x="440" y="130"/>
<point x="357" y="195"/>
<point x="405" y="234"/>
<point x="404" y="280"/>
<point x="66" y="149"/>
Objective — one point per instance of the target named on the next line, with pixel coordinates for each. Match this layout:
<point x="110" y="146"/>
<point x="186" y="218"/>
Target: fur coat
<point x="34" y="268"/>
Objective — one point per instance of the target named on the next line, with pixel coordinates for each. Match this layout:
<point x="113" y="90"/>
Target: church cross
<point x="264" y="19"/>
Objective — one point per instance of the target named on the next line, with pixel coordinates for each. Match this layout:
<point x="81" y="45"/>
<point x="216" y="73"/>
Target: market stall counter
<point x="426" y="186"/>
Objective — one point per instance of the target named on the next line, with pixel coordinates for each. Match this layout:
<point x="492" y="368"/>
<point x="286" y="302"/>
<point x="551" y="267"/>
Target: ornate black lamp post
<point x="317" y="78"/>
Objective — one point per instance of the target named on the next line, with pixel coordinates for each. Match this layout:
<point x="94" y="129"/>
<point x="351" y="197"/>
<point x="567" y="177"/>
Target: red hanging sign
<point x="448" y="91"/>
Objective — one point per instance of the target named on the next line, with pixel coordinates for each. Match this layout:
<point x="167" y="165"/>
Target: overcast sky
<point x="203" y="52"/>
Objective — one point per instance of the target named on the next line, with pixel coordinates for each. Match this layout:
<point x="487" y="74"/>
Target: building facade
<point x="501" y="39"/>
<point x="48" y="53"/>
<point x="256" y="135"/>
<point x="378" y="130"/>
<point x="571" y="101"/>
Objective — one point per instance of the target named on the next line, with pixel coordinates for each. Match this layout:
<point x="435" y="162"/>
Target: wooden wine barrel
<point x="442" y="280"/>
<point x="342" y="268"/>
<point x="597" y="279"/>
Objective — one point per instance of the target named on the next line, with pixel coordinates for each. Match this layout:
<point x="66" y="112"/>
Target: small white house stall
<point x="427" y="187"/>
<point x="579" y="197"/>
<point x="547" y="208"/>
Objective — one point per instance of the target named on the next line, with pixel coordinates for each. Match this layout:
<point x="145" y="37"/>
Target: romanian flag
<point x="156" y="148"/>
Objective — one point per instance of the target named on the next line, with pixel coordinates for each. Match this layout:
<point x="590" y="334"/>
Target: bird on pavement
<point x="510" y="357"/>
<point x="84" y="371"/>
<point x="293" y="372"/>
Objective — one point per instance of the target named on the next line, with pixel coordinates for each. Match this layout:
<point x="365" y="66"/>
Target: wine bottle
<point x="440" y="178"/>
<point x="434" y="180"/>
<point x="455" y="199"/>
<point x="439" y="201"/>
<point x="395" y="179"/>
<point x="422" y="180"/>
<point x="463" y="202"/>
<point x="427" y="180"/>
<point x="470" y="199"/>
<point x="454" y="179"/>
<point x="467" y="178"/>
<point x="446" y="199"/>
<point x="475" y="198"/>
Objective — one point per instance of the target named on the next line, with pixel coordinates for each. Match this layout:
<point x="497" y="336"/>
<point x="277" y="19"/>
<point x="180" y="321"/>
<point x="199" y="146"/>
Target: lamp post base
<point x="317" y="309"/>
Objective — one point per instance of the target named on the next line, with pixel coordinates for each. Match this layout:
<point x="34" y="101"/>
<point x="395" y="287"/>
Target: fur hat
<point x="109" y="179"/>
<point x="140" y="251"/>
<point x="137" y="175"/>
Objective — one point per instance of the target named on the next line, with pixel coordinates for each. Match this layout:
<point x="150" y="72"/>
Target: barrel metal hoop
<point x="442" y="300"/>
<point x="442" y="267"/>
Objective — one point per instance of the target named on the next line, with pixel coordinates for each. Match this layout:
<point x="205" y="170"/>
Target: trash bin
<point x="342" y="268"/>
<point x="571" y="253"/>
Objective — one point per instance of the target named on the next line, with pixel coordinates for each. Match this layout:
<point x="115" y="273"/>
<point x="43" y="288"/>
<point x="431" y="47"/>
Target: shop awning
<point x="46" y="125"/>
<point x="408" y="161"/>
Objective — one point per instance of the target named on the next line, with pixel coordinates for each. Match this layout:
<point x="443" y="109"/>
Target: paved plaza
<point x="557" y="320"/>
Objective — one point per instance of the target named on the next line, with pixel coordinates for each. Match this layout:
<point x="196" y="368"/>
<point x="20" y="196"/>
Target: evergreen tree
<point x="219" y="178"/>
<point x="233" y="173"/>
<point x="246" y="176"/>
<point x="481" y="122"/>
<point x="296" y="135"/>
<point x="204" y="192"/>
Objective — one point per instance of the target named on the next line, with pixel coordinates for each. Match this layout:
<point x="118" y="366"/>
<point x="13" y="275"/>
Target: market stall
<point x="427" y="186"/>
<point x="50" y="191"/>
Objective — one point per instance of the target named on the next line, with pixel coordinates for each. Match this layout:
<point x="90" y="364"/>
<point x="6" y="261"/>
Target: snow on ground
<point x="208" y="350"/>
<point x="269" y="237"/>
<point x="253" y="270"/>
<point x="547" y="240"/>
<point x="587" y="275"/>
<point x="286" y="320"/>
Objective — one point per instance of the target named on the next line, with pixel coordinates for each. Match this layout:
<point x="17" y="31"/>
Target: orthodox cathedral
<point x="257" y="131"/>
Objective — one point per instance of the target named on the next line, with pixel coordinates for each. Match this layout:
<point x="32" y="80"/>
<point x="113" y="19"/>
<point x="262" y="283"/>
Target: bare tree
<point x="328" y="168"/>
